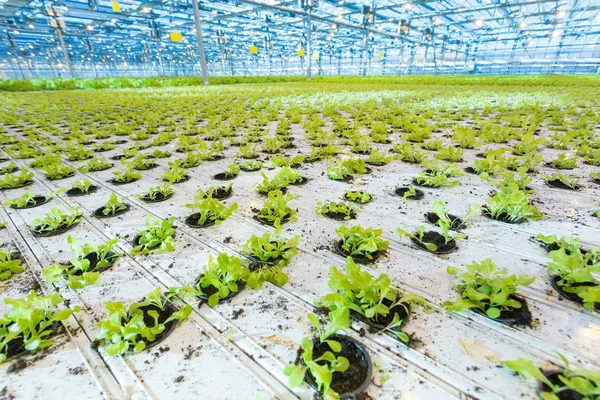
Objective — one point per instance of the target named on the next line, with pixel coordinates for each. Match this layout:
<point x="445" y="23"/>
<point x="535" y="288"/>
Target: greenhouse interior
<point x="300" y="199"/>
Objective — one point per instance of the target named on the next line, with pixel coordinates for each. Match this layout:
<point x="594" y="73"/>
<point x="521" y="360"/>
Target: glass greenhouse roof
<point x="252" y="37"/>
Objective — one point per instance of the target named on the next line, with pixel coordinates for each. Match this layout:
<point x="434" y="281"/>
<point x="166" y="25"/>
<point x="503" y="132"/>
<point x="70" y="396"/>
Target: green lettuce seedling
<point x="157" y="233"/>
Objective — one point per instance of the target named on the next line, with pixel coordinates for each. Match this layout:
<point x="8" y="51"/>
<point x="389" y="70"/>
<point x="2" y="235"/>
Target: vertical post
<point x="65" y="52"/>
<point x="308" y="46"/>
<point x="401" y="59"/>
<point x="200" y="43"/>
<point x="365" y="54"/>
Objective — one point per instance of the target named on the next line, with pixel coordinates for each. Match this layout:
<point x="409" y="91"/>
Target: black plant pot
<point x="518" y="316"/>
<point x="210" y="290"/>
<point x="457" y="223"/>
<point x="222" y="177"/>
<point x="185" y="179"/>
<point x="75" y="192"/>
<point x="39" y="200"/>
<point x="27" y="183"/>
<point x="136" y="241"/>
<point x="357" y="258"/>
<point x="347" y="179"/>
<point x="502" y="217"/>
<point x="271" y="223"/>
<point x="192" y="221"/>
<point x="55" y="232"/>
<point x="438" y="240"/>
<point x="14" y="169"/>
<point x="403" y="311"/>
<point x="159" y="197"/>
<point x="366" y="202"/>
<point x="553" y="377"/>
<point x="16" y="347"/>
<point x="99" y="214"/>
<point x="339" y="216"/>
<point x="93" y="259"/>
<point x="355" y="380"/>
<point x="572" y="296"/>
<point x="122" y="183"/>
<point x="118" y="157"/>
<point x="163" y="315"/>
<point x="419" y="194"/>
<point x="283" y="191"/>
<point x="558" y="184"/>
<point x="250" y="169"/>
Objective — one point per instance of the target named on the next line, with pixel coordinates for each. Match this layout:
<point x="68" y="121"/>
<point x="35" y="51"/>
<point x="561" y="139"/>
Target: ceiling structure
<point x="261" y="37"/>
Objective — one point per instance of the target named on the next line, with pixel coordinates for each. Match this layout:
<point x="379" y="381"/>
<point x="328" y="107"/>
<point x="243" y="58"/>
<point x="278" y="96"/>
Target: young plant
<point x="248" y="152"/>
<point x="165" y="190"/>
<point x="12" y="181"/>
<point x="563" y="162"/>
<point x="232" y="171"/>
<point x="250" y="166"/>
<point x="126" y="175"/>
<point x="361" y="242"/>
<point x="378" y="158"/>
<point x="56" y="219"/>
<point x="450" y="153"/>
<point x="280" y="161"/>
<point x="27" y="199"/>
<point x="82" y="185"/>
<point x="511" y="204"/>
<point x="574" y="270"/>
<point x="321" y="368"/>
<point x="336" y="209"/>
<point x="85" y="266"/>
<point x="174" y="174"/>
<point x="485" y="287"/>
<point x="29" y="321"/>
<point x="337" y="171"/>
<point x="411" y="192"/>
<point x="158" y="233"/>
<point x="267" y="186"/>
<point x="358" y="196"/>
<point x="9" y="266"/>
<point x="445" y="222"/>
<point x="141" y="163"/>
<point x="59" y="171"/>
<point x="570" y="383"/>
<point x="126" y="328"/>
<point x="218" y="280"/>
<point x="570" y="181"/>
<point x="96" y="164"/>
<point x="113" y="205"/>
<point x="433" y="144"/>
<point x="275" y="210"/>
<point x="409" y="153"/>
<point x="209" y="209"/>
<point x="7" y="169"/>
<point x="289" y="175"/>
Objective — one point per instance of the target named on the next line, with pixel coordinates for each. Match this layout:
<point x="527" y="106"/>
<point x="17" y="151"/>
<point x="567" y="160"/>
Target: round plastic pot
<point x="159" y="197"/>
<point x="99" y="214"/>
<point x="357" y="258"/>
<point x="192" y="221"/>
<point x="457" y="223"/>
<point x="419" y="194"/>
<point x="438" y="240"/>
<point x="39" y="200"/>
<point x="572" y="296"/>
<point x="76" y="192"/>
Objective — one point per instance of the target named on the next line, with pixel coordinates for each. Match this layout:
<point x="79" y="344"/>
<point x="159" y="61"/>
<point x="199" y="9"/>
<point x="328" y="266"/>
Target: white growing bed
<point x="238" y="349"/>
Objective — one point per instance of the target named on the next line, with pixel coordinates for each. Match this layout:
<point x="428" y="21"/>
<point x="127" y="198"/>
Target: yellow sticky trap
<point x="175" y="36"/>
<point x="315" y="55"/>
<point x="381" y="54"/>
<point x="116" y="7"/>
<point x="301" y="53"/>
<point x="253" y="49"/>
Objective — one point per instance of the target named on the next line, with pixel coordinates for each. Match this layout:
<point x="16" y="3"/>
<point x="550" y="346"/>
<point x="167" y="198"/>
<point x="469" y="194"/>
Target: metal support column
<point x="200" y="43"/>
<point x="65" y="52"/>
<point x="308" y="46"/>
<point x="365" y="56"/>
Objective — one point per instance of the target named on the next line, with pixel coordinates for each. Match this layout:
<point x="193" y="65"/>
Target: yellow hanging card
<point x="115" y="6"/>
<point x="175" y="36"/>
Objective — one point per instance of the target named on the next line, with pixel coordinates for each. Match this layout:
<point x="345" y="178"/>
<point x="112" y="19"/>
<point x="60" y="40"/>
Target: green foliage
<point x="79" y="154"/>
<point x="251" y="165"/>
<point x="337" y="171"/>
<point x="58" y="171"/>
<point x="485" y="287"/>
<point x="575" y="270"/>
<point x="280" y="161"/>
<point x="583" y="382"/>
<point x="29" y="321"/>
<point x="9" y="266"/>
<point x="450" y="153"/>
<point x="358" y="196"/>
<point x="25" y="200"/>
<point x="346" y="209"/>
<point x="248" y="152"/>
<point x="174" y="174"/>
<point x="210" y="209"/>
<point x="378" y="158"/>
<point x="276" y="209"/>
<point x="409" y="153"/>
<point x="165" y="190"/>
<point x="125" y="329"/>
<point x="57" y="219"/>
<point x="267" y="185"/>
<point x="11" y="181"/>
<point x="222" y="276"/>
<point x="359" y="241"/>
<point x="96" y="164"/>
<point x="82" y="185"/>
<point x="571" y="181"/>
<point x="563" y="162"/>
<point x="512" y="204"/>
<point x="80" y="272"/>
<point x="113" y="205"/>
<point x="232" y="170"/>
<point x="7" y="169"/>
<point x="126" y="175"/>
<point x="158" y="233"/>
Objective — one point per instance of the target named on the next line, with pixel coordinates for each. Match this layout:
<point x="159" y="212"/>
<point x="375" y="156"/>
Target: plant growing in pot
<point x="373" y="301"/>
<point x="338" y="172"/>
<point x="29" y="322"/>
<point x="8" y="169"/>
<point x="409" y="153"/>
<point x="435" y="144"/>
<point x="522" y="180"/>
<point x="13" y="181"/>
<point x="251" y="166"/>
<point x="570" y="182"/>
<point x="573" y="275"/>
<point x="29" y="200"/>
<point x="112" y="208"/>
<point x="175" y="174"/>
<point x="439" y="216"/>
<point x="409" y="192"/>
<point x="96" y="164"/>
<point x="190" y="160"/>
<point x="567" y="384"/>
<point x="490" y="291"/>
<point x="220" y="280"/>
<point x="248" y="152"/>
<point x="158" y="193"/>
<point x="208" y="211"/>
<point x="56" y="221"/>
<point x="378" y="158"/>
<point x="450" y="153"/>
<point x="10" y="264"/>
<point x="267" y="185"/>
<point x="290" y="176"/>
<point x="125" y="176"/>
<point x="84" y="268"/>
<point x="270" y="253"/>
<point x="81" y="188"/>
<point x="231" y="172"/>
<point x="141" y="163"/>
<point x="438" y="243"/>
<point x="362" y="244"/>
<point x="219" y="193"/>
<point x="158" y="234"/>
<point x="563" y="162"/>
<point x="55" y="172"/>
<point x="335" y="365"/>
<point x="358" y="196"/>
<point x="435" y="179"/>
<point x="511" y="205"/>
<point x="280" y="161"/>
<point x="144" y="323"/>
<point x="339" y="211"/>
<point x="275" y="210"/>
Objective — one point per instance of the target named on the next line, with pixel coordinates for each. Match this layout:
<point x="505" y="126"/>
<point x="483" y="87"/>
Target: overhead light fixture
<point x="341" y="2"/>
<point x="146" y="9"/>
<point x="437" y="21"/>
<point x="478" y="22"/>
<point x="30" y="26"/>
<point x="391" y="20"/>
<point x="555" y="34"/>
<point x="334" y="26"/>
<point x="522" y="25"/>
<point x="407" y="6"/>
<point x="214" y="12"/>
<point x="112" y="21"/>
<point x="561" y="14"/>
<point x="89" y="28"/>
<point x="460" y="10"/>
